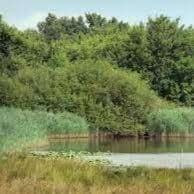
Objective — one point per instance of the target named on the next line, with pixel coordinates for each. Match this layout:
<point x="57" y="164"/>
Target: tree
<point x="95" y="20"/>
<point x="54" y="28"/>
<point x="171" y="47"/>
<point x="51" y="28"/>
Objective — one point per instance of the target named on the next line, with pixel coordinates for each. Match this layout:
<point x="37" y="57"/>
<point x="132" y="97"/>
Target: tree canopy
<point x="105" y="70"/>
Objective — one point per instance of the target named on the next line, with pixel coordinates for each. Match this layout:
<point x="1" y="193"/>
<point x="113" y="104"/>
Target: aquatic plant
<point x="20" y="127"/>
<point x="172" y="120"/>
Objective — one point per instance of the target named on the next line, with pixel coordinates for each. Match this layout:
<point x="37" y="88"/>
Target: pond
<point x="123" y="145"/>
<point x="168" y="153"/>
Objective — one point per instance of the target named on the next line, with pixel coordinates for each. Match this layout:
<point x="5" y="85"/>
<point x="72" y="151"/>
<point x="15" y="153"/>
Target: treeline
<point x="105" y="70"/>
<point x="161" y="50"/>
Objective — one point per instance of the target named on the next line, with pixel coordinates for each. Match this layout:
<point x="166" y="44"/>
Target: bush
<point x="14" y="93"/>
<point x="109" y="98"/>
<point x="173" y="120"/>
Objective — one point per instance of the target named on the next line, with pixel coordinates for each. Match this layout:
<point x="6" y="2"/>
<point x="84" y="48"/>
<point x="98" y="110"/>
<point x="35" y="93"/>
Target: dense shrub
<point x="14" y="93"/>
<point x="109" y="98"/>
<point x="173" y="120"/>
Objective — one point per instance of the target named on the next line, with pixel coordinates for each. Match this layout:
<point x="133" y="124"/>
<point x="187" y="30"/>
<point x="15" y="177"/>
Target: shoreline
<point x="115" y="136"/>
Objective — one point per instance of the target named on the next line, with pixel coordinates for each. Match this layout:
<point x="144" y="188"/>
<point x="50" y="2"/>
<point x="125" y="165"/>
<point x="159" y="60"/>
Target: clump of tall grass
<point x="18" y="127"/>
<point x="172" y="120"/>
<point x="65" y="123"/>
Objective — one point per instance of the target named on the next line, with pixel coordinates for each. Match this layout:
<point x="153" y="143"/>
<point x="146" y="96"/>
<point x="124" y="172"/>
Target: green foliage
<point x="54" y="28"/>
<point x="20" y="49"/>
<point x="173" y="120"/>
<point x="161" y="50"/>
<point x="14" y="93"/>
<point x="73" y="64"/>
<point x="172" y="48"/>
<point x="95" y="21"/>
<point x="20" y="127"/>
<point x="109" y="98"/>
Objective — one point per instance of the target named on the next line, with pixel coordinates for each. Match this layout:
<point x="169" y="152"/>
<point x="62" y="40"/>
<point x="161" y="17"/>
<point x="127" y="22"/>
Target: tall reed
<point x="19" y="127"/>
<point x="172" y="120"/>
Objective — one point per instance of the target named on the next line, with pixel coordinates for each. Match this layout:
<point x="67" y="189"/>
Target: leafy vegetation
<point x="161" y="50"/>
<point x="103" y="70"/>
<point x="19" y="128"/>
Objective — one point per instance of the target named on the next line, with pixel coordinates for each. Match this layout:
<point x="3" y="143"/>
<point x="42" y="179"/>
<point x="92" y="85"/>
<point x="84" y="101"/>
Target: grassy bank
<point x="172" y="121"/>
<point x="21" y="127"/>
<point x="27" y="174"/>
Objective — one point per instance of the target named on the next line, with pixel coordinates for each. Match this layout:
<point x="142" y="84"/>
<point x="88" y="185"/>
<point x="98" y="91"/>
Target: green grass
<point x="22" y="174"/>
<point x="172" y="120"/>
<point x="20" y="127"/>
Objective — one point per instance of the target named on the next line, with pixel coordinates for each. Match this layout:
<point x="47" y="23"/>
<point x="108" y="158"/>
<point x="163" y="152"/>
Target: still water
<point x="165" y="153"/>
<point x="173" y="145"/>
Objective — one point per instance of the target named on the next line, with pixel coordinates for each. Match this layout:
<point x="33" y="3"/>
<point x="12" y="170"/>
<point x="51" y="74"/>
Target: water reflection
<point x="121" y="145"/>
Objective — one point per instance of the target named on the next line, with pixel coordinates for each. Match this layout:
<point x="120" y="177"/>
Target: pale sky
<point x="26" y="13"/>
